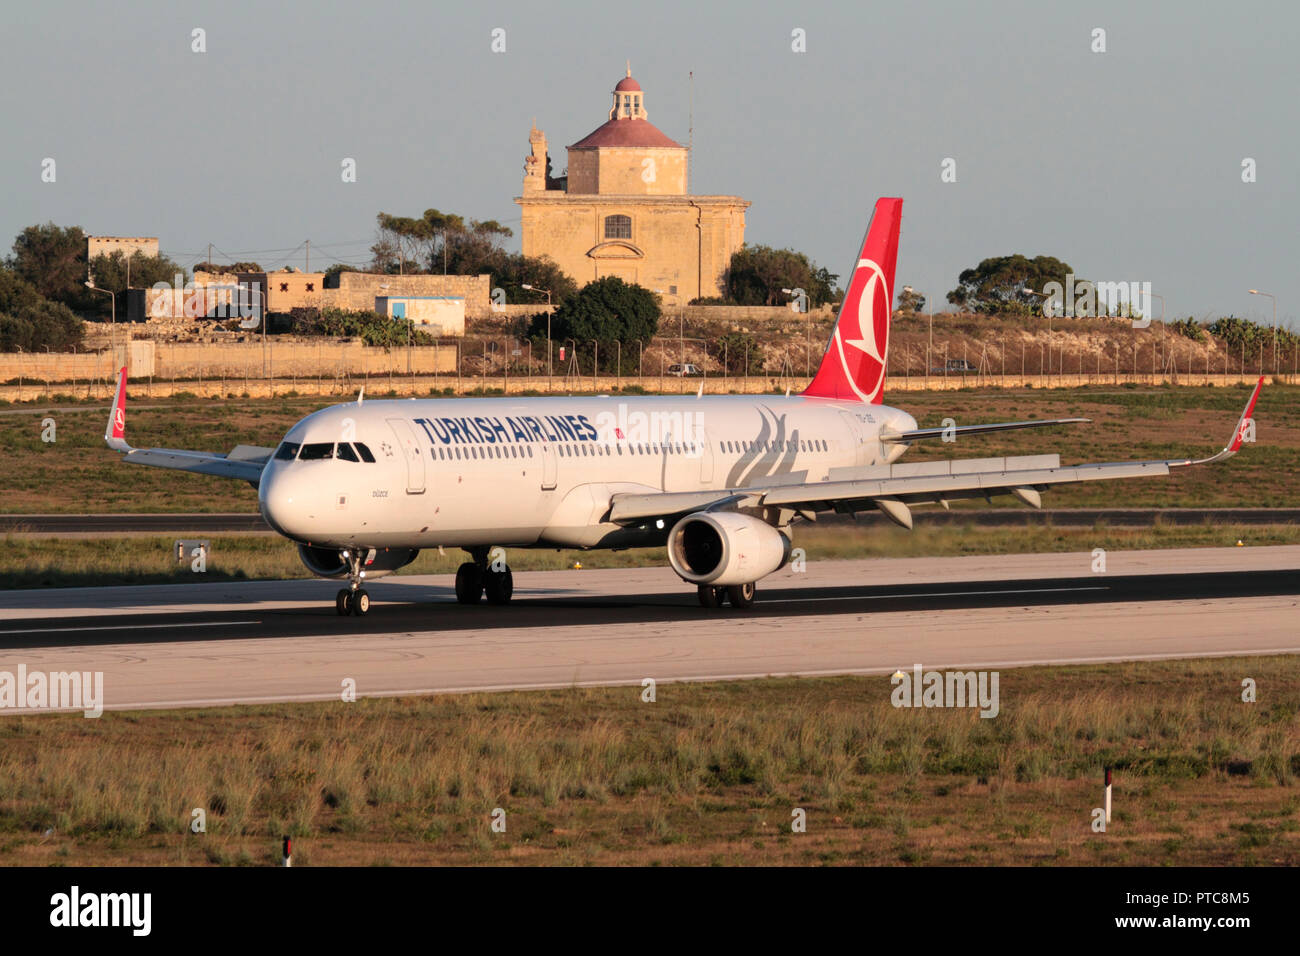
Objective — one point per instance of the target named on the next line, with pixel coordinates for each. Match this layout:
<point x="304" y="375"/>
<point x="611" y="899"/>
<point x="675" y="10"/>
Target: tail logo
<point x="872" y="338"/>
<point x="119" y="421"/>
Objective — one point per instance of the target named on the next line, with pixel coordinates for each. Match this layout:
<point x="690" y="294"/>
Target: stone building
<point x="623" y="209"/>
<point x="127" y="245"/>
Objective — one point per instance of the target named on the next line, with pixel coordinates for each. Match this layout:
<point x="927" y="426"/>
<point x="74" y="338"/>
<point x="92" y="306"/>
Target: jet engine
<point x="376" y="562"/>
<point x="725" y="548"/>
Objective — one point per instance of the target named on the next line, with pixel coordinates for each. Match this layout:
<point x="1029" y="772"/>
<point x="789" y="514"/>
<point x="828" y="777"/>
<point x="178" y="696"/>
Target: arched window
<point x="618" y="227"/>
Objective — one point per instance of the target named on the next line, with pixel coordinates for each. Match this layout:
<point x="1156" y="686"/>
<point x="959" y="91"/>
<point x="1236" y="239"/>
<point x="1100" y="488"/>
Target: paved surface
<point x="208" y="644"/>
<point x="985" y="518"/>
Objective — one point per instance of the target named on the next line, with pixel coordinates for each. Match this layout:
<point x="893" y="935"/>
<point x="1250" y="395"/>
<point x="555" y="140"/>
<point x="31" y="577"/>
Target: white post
<point x="1107" y="796"/>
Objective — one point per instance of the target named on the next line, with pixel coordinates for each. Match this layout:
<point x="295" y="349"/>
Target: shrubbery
<point x="373" y="328"/>
<point x="32" y="323"/>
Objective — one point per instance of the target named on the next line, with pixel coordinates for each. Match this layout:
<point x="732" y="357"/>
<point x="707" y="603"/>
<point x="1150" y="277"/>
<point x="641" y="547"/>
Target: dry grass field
<point x="707" y="774"/>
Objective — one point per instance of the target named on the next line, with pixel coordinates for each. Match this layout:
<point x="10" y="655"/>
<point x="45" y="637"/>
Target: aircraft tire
<point x="499" y="586"/>
<point x="469" y="583"/>
<point x="741" y="596"/>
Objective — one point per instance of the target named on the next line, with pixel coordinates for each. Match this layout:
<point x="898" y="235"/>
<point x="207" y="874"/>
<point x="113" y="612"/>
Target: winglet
<point x="1238" y="435"/>
<point x="115" y="433"/>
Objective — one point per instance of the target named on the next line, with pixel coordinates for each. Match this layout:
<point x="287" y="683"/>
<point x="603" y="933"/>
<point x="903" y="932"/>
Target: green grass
<point x="707" y="773"/>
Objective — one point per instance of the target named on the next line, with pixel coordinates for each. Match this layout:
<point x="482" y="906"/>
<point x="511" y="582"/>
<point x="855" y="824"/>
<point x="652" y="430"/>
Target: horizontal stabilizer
<point x="952" y="431"/>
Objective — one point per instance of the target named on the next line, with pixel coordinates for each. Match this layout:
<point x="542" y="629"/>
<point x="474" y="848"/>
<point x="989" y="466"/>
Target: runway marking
<point x="124" y="627"/>
<point x="883" y="597"/>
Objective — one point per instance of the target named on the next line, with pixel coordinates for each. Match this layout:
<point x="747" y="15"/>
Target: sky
<point x="1127" y="163"/>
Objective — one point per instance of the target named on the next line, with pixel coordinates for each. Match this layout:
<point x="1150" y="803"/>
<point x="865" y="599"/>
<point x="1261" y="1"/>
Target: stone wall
<point x="358" y="290"/>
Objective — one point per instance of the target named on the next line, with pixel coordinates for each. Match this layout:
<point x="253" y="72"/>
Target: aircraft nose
<point x="277" y="501"/>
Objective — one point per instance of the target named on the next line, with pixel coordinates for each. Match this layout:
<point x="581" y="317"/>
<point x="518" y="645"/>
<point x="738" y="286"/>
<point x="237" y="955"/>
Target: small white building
<point x="436" y="314"/>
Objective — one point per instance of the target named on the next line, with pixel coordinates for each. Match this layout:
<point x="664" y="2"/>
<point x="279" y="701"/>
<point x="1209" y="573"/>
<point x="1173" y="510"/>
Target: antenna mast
<point x="690" y="134"/>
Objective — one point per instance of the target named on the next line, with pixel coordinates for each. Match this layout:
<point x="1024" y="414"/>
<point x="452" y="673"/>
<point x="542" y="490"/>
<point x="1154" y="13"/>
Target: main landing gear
<point x="739" y="596"/>
<point x="476" y="578"/>
<point x="353" y="599"/>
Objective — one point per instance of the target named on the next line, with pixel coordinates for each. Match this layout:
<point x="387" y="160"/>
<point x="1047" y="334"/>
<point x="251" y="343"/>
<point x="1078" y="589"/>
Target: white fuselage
<point x="539" y="472"/>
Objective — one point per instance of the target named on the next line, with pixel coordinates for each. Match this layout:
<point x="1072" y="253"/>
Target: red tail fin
<point x="853" y="367"/>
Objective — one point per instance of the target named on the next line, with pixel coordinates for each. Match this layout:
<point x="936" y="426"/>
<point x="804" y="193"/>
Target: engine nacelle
<point x="724" y="548"/>
<point x="329" y="562"/>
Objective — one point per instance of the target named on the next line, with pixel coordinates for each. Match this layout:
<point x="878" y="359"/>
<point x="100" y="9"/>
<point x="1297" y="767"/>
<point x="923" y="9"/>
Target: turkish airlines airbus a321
<point x="720" y="480"/>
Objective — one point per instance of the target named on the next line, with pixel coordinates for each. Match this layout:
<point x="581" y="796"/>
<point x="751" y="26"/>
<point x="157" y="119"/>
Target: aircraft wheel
<point x="499" y="585"/>
<point x="360" y="602"/>
<point x="469" y="583"/>
<point x="711" y="596"/>
<point x="741" y="595"/>
<point x="343" y="602"/>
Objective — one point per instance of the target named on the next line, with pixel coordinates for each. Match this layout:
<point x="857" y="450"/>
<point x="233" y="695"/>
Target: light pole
<point x="1271" y="296"/>
<point x="532" y="288"/>
<point x="930" y="353"/>
<point x="1162" y="305"/>
<point x="801" y="299"/>
<point x="112" y="332"/>
<point x="1048" y="312"/>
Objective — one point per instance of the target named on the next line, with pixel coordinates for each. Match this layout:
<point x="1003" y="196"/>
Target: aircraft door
<point x="411" y="451"/>
<point x="548" y="466"/>
<point x="706" y="457"/>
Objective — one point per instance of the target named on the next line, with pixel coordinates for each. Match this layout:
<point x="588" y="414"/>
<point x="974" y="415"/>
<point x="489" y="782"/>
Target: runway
<point x="226" y="522"/>
<point x="223" y="643"/>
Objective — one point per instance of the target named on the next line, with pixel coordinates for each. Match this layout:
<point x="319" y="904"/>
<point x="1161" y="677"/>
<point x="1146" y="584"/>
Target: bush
<point x="36" y="328"/>
<point x="373" y="328"/>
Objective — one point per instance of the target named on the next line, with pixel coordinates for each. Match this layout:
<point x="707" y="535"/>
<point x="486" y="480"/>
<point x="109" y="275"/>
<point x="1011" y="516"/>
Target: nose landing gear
<point x="353" y="599"/>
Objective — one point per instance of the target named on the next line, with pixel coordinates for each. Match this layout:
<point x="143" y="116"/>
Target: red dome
<point x="627" y="85"/>
<point x="626" y="132"/>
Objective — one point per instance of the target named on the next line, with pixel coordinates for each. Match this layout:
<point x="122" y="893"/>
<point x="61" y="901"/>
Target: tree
<point x="110" y="273"/>
<point x="33" y="323"/>
<point x="216" y="267"/>
<point x="53" y="259"/>
<point x="741" y="351"/>
<point x="607" y="310"/>
<point x="757" y="275"/>
<point x="998" y="284"/>
<point x="16" y="292"/>
<point x="541" y="272"/>
<point x="911" y="301"/>
<point x="331" y="280"/>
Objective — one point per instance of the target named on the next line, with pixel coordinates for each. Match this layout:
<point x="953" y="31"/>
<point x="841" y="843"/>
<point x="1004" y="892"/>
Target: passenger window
<point x="366" y="456"/>
<point x="346" y="452"/>
<point x="287" y="451"/>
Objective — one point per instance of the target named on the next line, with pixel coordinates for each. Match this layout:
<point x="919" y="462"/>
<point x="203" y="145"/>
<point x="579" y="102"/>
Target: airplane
<point x="720" y="480"/>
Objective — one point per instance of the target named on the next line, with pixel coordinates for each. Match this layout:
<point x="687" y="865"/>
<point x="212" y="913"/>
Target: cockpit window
<point x="346" y="452"/>
<point x="287" y="451"/>
<point x="316" y="451"/>
<point x="366" y="455"/>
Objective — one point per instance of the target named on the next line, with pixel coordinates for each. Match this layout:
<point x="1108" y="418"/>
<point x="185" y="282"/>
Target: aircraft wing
<point x="244" y="461"/>
<point x="892" y="488"/>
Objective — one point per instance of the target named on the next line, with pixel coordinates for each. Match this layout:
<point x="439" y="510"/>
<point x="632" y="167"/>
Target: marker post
<point x="1107" y="797"/>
